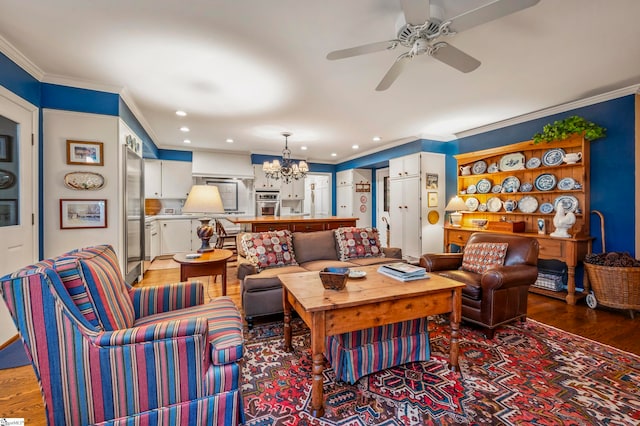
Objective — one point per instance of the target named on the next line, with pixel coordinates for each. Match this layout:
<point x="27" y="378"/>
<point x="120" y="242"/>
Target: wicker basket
<point x="615" y="287"/>
<point x="334" y="278"/>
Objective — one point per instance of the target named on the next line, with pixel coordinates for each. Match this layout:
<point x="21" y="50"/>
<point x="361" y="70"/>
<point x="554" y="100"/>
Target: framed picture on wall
<point x="431" y="180"/>
<point x="83" y="214"/>
<point x="432" y="199"/>
<point x="5" y="148"/>
<point x="85" y="153"/>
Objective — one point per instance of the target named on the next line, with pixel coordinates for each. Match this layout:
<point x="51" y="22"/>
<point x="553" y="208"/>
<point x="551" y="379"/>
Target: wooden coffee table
<point x="209" y="263"/>
<point x="367" y="302"/>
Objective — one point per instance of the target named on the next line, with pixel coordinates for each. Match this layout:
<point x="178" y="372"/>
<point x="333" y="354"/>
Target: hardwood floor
<point x="20" y="394"/>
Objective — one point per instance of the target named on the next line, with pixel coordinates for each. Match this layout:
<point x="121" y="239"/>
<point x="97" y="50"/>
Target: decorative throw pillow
<point x="269" y="249"/>
<point x="355" y="242"/>
<point x="482" y="256"/>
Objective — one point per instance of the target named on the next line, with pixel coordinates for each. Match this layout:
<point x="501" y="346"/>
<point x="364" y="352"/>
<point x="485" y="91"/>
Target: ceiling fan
<point x="422" y="33"/>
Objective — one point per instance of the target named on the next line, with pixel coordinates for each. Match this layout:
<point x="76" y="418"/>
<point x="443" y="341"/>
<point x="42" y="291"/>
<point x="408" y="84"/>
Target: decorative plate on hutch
<point x="471" y="189"/>
<point x="483" y="186"/>
<point x="84" y="181"/>
<point x="479" y="167"/>
<point x="510" y="184"/>
<point x="553" y="157"/>
<point x="482" y="207"/>
<point x="528" y="204"/>
<point x="526" y="187"/>
<point x="533" y="163"/>
<point x="497" y="188"/>
<point x="569" y="202"/>
<point x="546" y="208"/>
<point x="493" y="168"/>
<point x="514" y="161"/>
<point x="567" y="184"/>
<point x="545" y="182"/>
<point x="472" y="204"/>
<point x="494" y="204"/>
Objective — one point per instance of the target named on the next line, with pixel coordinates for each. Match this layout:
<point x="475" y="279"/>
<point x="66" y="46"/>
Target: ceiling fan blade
<point x="416" y="12"/>
<point x="393" y="73"/>
<point x="362" y="50"/>
<point x="455" y="58"/>
<point x="489" y="12"/>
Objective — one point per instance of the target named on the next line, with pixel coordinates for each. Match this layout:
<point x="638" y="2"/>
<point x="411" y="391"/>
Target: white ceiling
<point x="251" y="69"/>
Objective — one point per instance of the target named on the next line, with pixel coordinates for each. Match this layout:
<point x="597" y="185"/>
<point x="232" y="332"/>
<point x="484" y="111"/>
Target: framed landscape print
<point x="85" y="153"/>
<point x="83" y="214"/>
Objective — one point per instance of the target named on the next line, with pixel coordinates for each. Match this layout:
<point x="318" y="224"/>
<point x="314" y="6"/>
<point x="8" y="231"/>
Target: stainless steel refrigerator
<point x="134" y="213"/>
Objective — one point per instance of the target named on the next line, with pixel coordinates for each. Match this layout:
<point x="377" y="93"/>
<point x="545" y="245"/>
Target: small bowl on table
<point x="334" y="278"/>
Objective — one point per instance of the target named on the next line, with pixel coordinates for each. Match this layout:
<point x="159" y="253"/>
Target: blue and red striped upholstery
<point x="358" y="353"/>
<point x="167" y="371"/>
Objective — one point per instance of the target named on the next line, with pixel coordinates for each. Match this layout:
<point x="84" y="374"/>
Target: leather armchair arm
<point x="509" y="276"/>
<point x="245" y="269"/>
<point x="392" y="252"/>
<point x="441" y="261"/>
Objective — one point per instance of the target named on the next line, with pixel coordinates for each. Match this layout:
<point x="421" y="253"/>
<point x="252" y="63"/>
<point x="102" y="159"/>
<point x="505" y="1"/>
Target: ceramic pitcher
<point x="465" y="170"/>
<point x="572" y="157"/>
<point x="510" y="205"/>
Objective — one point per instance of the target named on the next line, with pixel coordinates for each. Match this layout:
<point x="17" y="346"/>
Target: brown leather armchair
<point x="499" y="295"/>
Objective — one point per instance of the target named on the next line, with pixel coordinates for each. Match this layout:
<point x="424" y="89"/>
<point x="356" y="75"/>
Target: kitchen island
<point x="292" y="223"/>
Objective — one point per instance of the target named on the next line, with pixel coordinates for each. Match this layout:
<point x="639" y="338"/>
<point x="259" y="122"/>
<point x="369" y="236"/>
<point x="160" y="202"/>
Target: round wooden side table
<point x="209" y="263"/>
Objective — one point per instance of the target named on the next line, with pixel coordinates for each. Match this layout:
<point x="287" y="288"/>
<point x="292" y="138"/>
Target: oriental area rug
<point x="528" y="374"/>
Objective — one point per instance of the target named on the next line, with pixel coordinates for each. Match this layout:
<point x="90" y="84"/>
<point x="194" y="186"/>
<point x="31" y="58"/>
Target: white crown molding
<point x="629" y="90"/>
<point x="22" y="61"/>
<point x="80" y="84"/>
<point x="128" y="99"/>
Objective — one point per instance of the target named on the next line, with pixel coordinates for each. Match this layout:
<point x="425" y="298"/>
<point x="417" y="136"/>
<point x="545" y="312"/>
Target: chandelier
<point x="288" y="170"/>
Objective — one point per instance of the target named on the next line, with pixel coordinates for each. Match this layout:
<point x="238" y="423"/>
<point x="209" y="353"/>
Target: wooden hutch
<point x="521" y="164"/>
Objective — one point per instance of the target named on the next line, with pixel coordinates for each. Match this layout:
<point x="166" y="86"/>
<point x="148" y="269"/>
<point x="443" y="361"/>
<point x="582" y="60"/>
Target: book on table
<point x="403" y="271"/>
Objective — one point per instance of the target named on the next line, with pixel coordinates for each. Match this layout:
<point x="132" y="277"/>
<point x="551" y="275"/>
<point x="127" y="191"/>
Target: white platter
<point x="472" y="204"/>
<point x="479" y="167"/>
<point x="84" y="181"/>
<point x="494" y="204"/>
<point x="528" y="204"/>
<point x="514" y="161"/>
<point x="357" y="274"/>
<point x="483" y="186"/>
<point x="567" y="184"/>
<point x="569" y="202"/>
<point x="510" y="184"/>
<point x="545" y="182"/>
<point x="553" y="157"/>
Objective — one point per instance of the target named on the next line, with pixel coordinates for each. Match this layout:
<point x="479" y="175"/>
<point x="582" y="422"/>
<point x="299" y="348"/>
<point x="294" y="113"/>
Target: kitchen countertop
<point x="292" y="218"/>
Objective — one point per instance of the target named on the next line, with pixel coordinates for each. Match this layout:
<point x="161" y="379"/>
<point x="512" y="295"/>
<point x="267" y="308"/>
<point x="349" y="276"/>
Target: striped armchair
<point x="106" y="353"/>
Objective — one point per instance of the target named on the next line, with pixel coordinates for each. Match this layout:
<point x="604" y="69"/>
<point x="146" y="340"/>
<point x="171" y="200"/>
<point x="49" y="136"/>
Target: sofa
<point x="261" y="290"/>
<point x="496" y="286"/>
<point x="106" y="353"/>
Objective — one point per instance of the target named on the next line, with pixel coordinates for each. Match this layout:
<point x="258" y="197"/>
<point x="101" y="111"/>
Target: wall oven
<point x="267" y="204"/>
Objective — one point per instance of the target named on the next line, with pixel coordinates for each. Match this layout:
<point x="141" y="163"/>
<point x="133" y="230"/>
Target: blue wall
<point x="612" y="165"/>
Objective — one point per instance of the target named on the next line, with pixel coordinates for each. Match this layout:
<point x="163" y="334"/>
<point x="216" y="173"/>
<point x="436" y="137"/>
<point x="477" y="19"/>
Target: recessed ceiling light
<point x="355" y="146"/>
<point x="304" y="148"/>
<point x="187" y="141"/>
<point x="184" y="129"/>
<point x="333" y="154"/>
<point x="377" y="138"/>
<point x="181" y="113"/>
<point x="229" y="140"/>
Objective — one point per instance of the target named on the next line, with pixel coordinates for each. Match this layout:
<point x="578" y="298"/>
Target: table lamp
<point x="204" y="199"/>
<point x="456" y="205"/>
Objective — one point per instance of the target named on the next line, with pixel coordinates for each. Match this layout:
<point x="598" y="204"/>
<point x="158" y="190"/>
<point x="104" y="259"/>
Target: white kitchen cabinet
<point x="167" y="179"/>
<point x="404" y="214"/>
<point x="403" y="167"/>
<point x="262" y="182"/>
<point x="175" y="236"/>
<point x="293" y="190"/>
<point x="349" y="201"/>
<point x="154" y="240"/>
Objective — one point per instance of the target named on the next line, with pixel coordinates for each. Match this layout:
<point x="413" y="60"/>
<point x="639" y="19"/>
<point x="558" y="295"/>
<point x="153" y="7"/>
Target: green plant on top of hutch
<point x="563" y="129"/>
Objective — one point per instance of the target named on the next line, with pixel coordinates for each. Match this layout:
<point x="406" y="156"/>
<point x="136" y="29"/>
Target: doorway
<point x="382" y="206"/>
<point x="317" y="195"/>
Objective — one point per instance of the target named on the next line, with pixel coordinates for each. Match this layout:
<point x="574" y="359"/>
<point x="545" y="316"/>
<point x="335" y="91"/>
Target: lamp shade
<point x="203" y="199"/>
<point x="456" y="204"/>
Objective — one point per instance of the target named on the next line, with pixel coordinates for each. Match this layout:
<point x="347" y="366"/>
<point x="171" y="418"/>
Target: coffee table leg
<point x="317" y="350"/>
<point x="456" y="314"/>
<point x="287" y="320"/>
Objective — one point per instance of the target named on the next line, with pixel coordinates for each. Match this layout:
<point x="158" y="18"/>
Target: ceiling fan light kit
<point x="421" y="34"/>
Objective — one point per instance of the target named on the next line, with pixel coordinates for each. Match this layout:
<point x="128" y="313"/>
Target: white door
<point x="382" y="205"/>
<point x="18" y="175"/>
